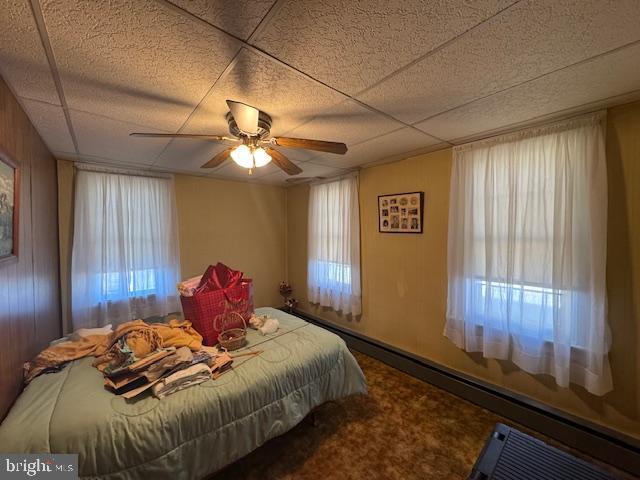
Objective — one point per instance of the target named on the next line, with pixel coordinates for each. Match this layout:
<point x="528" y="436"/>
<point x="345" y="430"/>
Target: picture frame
<point x="9" y="209"/>
<point x="401" y="212"/>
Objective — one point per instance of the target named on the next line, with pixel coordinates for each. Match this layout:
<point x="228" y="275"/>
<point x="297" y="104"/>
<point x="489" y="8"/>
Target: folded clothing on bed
<point x="129" y="342"/>
<point x="170" y="367"/>
<point x="187" y="288"/>
<point x="88" y="332"/>
<point x="193" y="375"/>
<point x="181" y="358"/>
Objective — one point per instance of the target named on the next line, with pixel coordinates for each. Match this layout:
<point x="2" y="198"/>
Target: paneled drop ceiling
<point x="390" y="78"/>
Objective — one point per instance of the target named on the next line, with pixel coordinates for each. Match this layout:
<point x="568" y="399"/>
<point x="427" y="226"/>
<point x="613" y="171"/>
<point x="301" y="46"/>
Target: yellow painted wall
<point x="239" y="224"/>
<point x="404" y="277"/>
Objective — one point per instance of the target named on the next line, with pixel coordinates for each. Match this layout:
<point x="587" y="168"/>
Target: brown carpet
<point x="404" y="429"/>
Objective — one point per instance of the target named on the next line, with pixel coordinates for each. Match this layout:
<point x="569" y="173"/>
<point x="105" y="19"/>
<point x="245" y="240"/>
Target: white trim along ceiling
<point x="389" y="78"/>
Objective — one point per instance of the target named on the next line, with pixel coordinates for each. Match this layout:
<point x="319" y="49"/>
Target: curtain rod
<point x="337" y="178"/>
<point x="566" y="123"/>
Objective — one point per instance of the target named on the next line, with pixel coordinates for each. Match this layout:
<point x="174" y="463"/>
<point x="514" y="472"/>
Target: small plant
<point x="286" y="291"/>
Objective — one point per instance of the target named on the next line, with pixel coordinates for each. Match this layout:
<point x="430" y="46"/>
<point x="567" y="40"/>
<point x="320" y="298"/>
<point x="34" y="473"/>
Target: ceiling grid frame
<point x="318" y="118"/>
<point x="272" y="11"/>
<point x="267" y="55"/>
<point x="546" y="74"/>
<point x="53" y="67"/>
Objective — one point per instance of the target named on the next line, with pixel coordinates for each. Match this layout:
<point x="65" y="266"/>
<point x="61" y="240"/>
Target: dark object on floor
<point x="511" y="454"/>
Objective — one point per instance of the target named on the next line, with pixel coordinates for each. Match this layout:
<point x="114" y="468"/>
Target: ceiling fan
<point x="250" y="128"/>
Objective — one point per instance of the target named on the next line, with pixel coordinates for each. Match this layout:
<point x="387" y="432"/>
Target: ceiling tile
<point x="189" y="155"/>
<point x="134" y="61"/>
<point x="298" y="155"/>
<point x="288" y="97"/>
<point x="179" y="171"/>
<point x="598" y="79"/>
<point x="524" y="42"/>
<point x="392" y="144"/>
<point x="72" y="156"/>
<point x="239" y="18"/>
<point x="348" y="122"/>
<point x="23" y="62"/>
<point x="109" y="139"/>
<point x="50" y="123"/>
<point x="353" y="44"/>
<point x="232" y="170"/>
<point x="308" y="170"/>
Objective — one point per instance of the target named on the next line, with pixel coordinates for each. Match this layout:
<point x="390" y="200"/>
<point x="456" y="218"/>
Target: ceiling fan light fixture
<point x="261" y="157"/>
<point x="242" y="156"/>
<point x="250" y="128"/>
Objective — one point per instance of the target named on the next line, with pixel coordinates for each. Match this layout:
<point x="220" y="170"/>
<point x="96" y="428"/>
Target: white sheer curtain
<point x="527" y="251"/>
<point x="333" y="275"/>
<point x="125" y="261"/>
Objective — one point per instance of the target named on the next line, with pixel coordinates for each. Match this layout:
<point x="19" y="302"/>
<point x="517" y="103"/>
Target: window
<point x="125" y="259"/>
<point x="334" y="273"/>
<point x="333" y="276"/>
<point x="535" y="303"/>
<point x="527" y="250"/>
<point x="139" y="283"/>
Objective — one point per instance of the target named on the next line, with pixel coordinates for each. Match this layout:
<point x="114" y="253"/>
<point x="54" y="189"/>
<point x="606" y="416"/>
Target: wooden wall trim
<point x="29" y="283"/>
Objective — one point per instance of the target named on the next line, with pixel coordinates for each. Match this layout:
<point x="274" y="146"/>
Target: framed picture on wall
<point x="400" y="212"/>
<point x="9" y="208"/>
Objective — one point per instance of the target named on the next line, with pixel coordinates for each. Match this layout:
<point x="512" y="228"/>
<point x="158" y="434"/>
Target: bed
<point x="191" y="433"/>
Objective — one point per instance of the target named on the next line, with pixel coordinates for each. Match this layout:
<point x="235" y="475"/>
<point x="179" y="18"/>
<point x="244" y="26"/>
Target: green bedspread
<point x="191" y="433"/>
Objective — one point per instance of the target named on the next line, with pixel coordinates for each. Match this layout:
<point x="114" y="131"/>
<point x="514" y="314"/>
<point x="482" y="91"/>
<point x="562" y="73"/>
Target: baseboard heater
<point x="510" y="454"/>
<point x="597" y="441"/>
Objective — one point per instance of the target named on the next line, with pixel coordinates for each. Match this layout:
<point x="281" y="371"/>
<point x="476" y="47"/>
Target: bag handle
<point x="232" y="277"/>
<point x="239" y="299"/>
<point x="216" y="280"/>
<point x="225" y="319"/>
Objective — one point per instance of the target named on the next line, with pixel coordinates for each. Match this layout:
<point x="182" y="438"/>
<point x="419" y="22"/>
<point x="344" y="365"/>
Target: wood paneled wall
<point x="29" y="287"/>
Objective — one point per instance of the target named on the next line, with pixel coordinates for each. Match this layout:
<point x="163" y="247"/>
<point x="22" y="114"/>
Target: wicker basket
<point x="233" y="338"/>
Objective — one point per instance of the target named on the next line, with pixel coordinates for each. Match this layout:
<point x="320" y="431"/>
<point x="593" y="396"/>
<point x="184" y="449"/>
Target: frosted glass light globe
<point x="261" y="157"/>
<point x="242" y="156"/>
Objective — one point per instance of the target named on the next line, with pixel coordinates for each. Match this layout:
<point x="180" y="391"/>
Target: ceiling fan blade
<point x="218" y="159"/>
<point x="319" y="145"/>
<point x="246" y="116"/>
<point x="214" y="138"/>
<point x="283" y="162"/>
